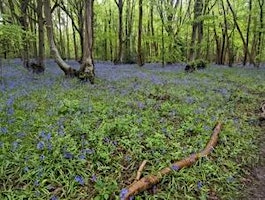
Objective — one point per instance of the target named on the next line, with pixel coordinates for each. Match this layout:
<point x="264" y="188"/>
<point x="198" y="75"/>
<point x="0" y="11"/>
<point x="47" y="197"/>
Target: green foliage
<point x="10" y="38"/>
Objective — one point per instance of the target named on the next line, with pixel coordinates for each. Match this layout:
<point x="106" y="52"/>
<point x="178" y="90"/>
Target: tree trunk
<point x="41" y="35"/>
<point x="261" y="32"/>
<point x="54" y="51"/>
<point x="87" y="67"/>
<point x="240" y="33"/>
<point x="197" y="29"/>
<point x="75" y="45"/>
<point x="68" y="39"/>
<point x="140" y="60"/>
<point x="248" y="30"/>
<point x="119" y="58"/>
<point x="24" y="24"/>
<point x="61" y="39"/>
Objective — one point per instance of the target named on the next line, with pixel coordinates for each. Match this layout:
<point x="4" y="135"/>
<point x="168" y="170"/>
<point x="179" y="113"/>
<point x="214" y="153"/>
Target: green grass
<point x="71" y="140"/>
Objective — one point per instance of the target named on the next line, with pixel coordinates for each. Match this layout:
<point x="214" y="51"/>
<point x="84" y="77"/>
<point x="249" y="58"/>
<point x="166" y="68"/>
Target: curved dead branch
<point x="148" y="181"/>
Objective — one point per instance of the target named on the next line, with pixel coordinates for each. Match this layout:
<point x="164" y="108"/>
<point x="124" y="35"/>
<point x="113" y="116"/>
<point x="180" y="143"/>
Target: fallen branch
<point x="139" y="172"/>
<point x="148" y="181"/>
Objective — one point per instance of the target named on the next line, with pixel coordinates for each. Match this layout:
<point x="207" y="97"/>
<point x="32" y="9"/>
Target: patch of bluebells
<point x="94" y="178"/>
<point x="54" y="198"/>
<point x="68" y="155"/>
<point x="79" y="179"/>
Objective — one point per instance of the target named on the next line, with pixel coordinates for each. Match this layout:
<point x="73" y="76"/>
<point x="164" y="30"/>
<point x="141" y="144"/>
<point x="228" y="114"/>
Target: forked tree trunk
<point x="86" y="70"/>
<point x="54" y="51"/>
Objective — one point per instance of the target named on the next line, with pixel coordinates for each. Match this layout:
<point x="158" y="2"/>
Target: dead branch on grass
<point x="148" y="181"/>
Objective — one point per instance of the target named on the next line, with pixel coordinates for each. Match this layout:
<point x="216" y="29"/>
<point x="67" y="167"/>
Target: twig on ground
<point x="139" y="172"/>
<point x="148" y="181"/>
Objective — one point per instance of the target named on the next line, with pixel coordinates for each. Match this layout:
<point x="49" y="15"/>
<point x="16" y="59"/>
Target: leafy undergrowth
<point x="62" y="139"/>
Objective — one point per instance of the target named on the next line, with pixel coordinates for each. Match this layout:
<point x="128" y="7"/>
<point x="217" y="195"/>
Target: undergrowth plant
<point x="63" y="139"/>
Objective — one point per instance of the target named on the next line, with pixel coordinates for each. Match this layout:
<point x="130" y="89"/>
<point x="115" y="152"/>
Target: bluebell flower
<point x="10" y="101"/>
<point x="4" y="130"/>
<point x="21" y="135"/>
<point x="199" y="185"/>
<point x="36" y="183"/>
<point x="54" y="198"/>
<point x="89" y="151"/>
<point x="123" y="193"/>
<point x="46" y="136"/>
<point x="40" y="145"/>
<point x="14" y="145"/>
<point x="175" y="167"/>
<point x="82" y="156"/>
<point x="42" y="157"/>
<point x="49" y="146"/>
<point x="26" y="169"/>
<point x="94" y="178"/>
<point x="10" y="111"/>
<point x="79" y="179"/>
<point x="68" y="155"/>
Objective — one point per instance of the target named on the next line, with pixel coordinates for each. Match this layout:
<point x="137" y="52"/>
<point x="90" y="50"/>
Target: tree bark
<point x="41" y="46"/>
<point x="248" y="30"/>
<point x="87" y="66"/>
<point x="197" y="30"/>
<point x="54" y="51"/>
<point x="240" y="33"/>
<point x="119" y="58"/>
<point x="140" y="60"/>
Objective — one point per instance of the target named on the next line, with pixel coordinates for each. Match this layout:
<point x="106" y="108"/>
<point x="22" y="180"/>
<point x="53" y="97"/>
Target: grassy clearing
<point x="62" y="139"/>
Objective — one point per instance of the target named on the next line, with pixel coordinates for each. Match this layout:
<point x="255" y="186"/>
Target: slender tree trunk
<point x="68" y="39"/>
<point x="119" y="58"/>
<point x="105" y="42"/>
<point x="24" y="24"/>
<point x="261" y="32"/>
<point x="240" y="33"/>
<point x="140" y="53"/>
<point x="248" y="30"/>
<point x="41" y="46"/>
<point x="60" y="27"/>
<point x="75" y="43"/>
<point x="110" y="39"/>
<point x="154" y="43"/>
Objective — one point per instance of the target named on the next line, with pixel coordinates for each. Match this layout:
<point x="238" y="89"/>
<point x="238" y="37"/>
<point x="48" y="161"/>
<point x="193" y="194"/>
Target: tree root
<point x="148" y="181"/>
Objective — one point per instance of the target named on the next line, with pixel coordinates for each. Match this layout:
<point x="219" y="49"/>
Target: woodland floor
<point x="62" y="139"/>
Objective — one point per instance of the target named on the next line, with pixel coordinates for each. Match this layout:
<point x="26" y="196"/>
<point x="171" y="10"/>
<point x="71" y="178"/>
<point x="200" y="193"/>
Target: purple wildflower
<point x="123" y="193"/>
<point x="42" y="157"/>
<point x="26" y="169"/>
<point x="46" y="136"/>
<point x="4" y="130"/>
<point x="94" y="178"/>
<point x="199" y="185"/>
<point x="175" y="167"/>
<point x="40" y="145"/>
<point x="36" y="183"/>
<point x="54" y="198"/>
<point x="14" y="145"/>
<point x="82" y="157"/>
<point x="68" y="155"/>
<point x="79" y="179"/>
